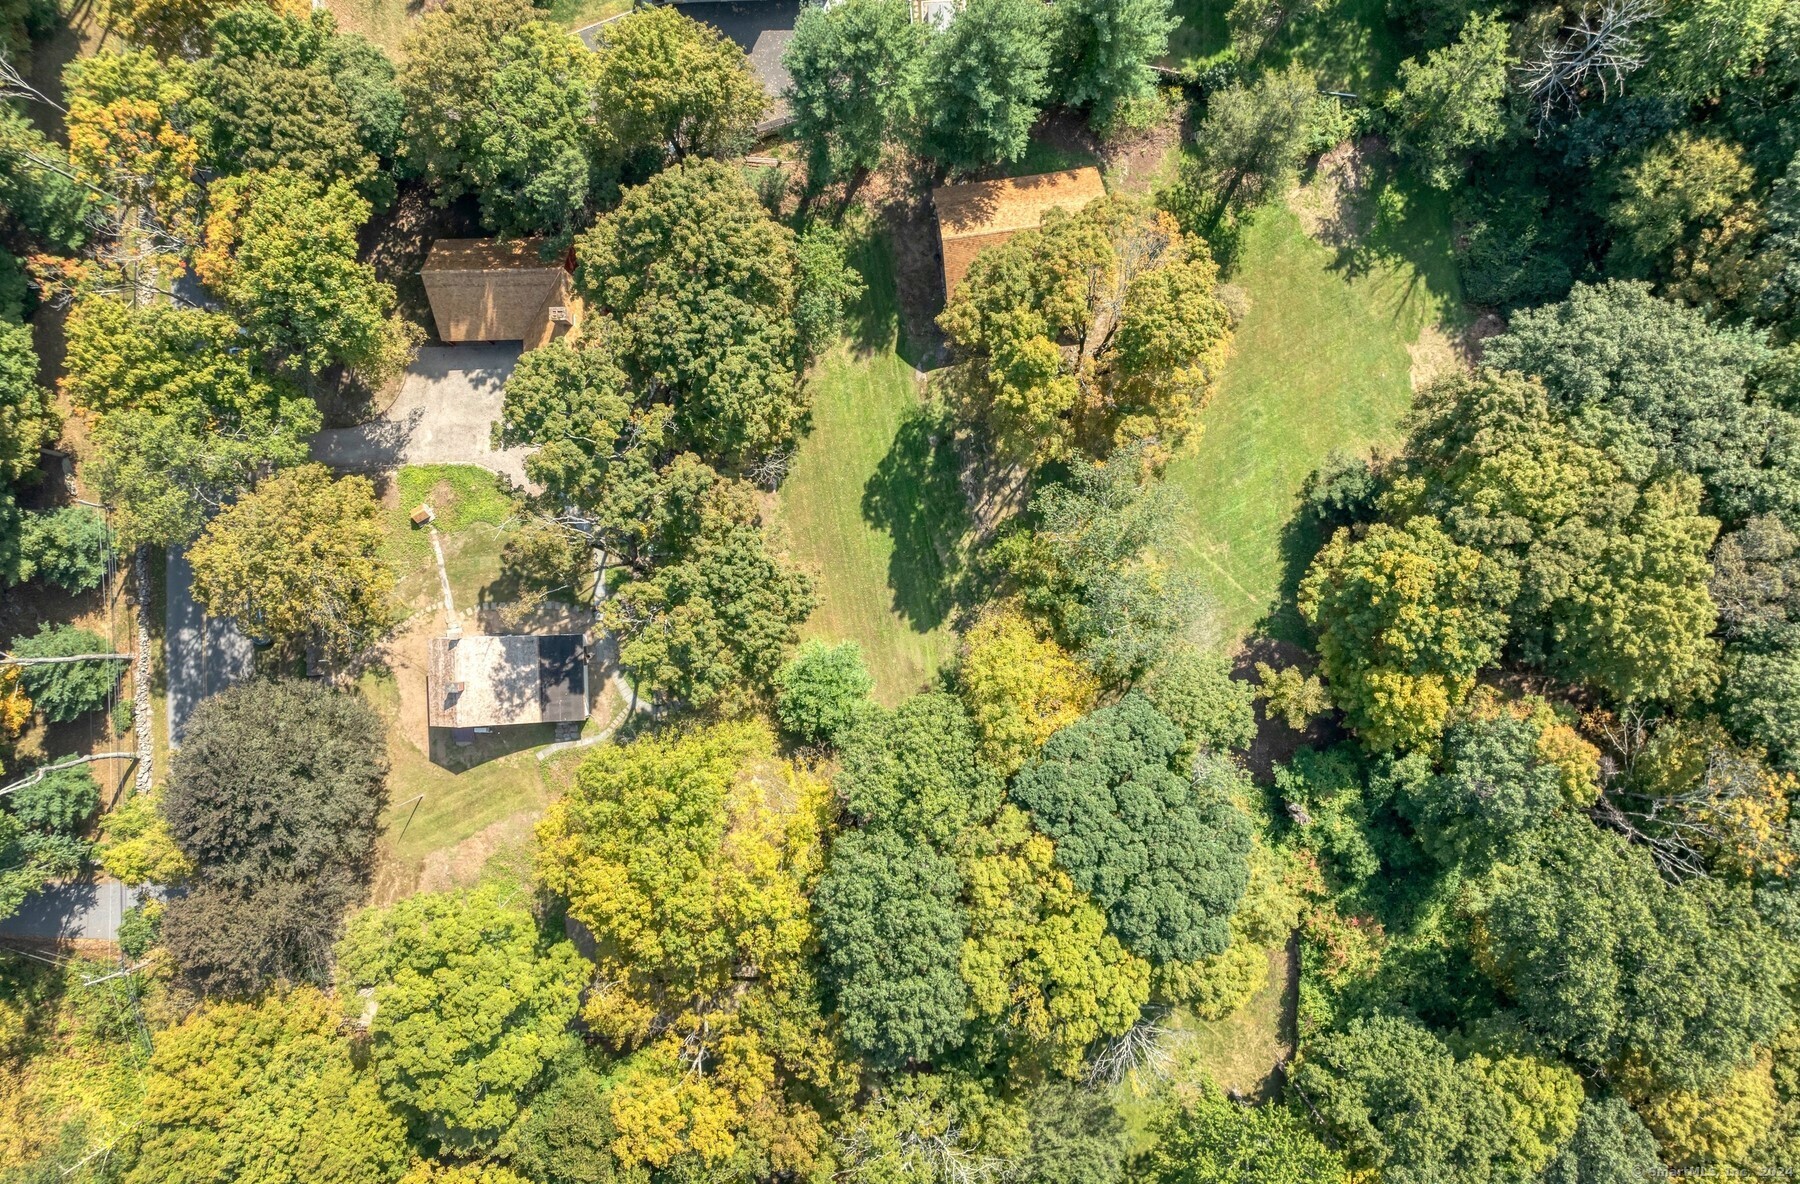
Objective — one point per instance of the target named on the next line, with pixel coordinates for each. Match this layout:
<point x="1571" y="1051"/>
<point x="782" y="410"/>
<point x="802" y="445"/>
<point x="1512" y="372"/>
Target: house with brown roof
<point x="981" y="213"/>
<point x="483" y="290"/>
<point x="487" y="681"/>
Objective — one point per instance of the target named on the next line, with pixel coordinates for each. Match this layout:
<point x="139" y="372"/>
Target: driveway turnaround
<point x="204" y="654"/>
<point x="446" y="407"/>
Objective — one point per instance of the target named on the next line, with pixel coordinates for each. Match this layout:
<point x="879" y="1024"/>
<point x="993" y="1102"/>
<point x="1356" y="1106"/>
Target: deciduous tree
<point x="65" y="690"/>
<point x="1163" y="858"/>
<point x="504" y="106"/>
<point x="1038" y="960"/>
<point x="278" y="780"/>
<point x="1195" y="690"/>
<point x="1404" y="1104"/>
<point x="689" y="861"/>
<point x="1664" y="368"/>
<point x="700" y="282"/>
<point x="857" y="72"/>
<point x="1608" y="962"/>
<point x="282" y="252"/>
<point x="1201" y="1137"/>
<point x="1104" y="51"/>
<point x="892" y="927"/>
<point x="1102" y="329"/>
<point x="1684" y="204"/>
<point x="66" y="546"/>
<point x="265" y="1093"/>
<point x="711" y="626"/>
<point x="186" y="421"/>
<point x="1019" y="688"/>
<point x="1404" y="618"/>
<point x="988" y="75"/>
<point x="471" y="1004"/>
<point x="667" y="83"/>
<point x="1610" y="1143"/>
<point x="821" y="690"/>
<point x="1097" y="565"/>
<point x="299" y="560"/>
<point x="234" y="942"/>
<point x="131" y="136"/>
<point x="1452" y="101"/>
<point x="1251" y="144"/>
<point x="536" y="168"/>
<point x="269" y="96"/>
<point x="918" y="770"/>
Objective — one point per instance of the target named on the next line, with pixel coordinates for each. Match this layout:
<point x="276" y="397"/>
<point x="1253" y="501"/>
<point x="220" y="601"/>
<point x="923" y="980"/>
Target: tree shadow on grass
<point x="1301" y="537"/>
<point x="1400" y="221"/>
<point x="914" y="495"/>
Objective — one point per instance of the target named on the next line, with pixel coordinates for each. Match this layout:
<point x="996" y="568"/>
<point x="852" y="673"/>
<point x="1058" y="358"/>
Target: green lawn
<point x="472" y="510"/>
<point x="1319" y="363"/>
<point x="457" y="802"/>
<point x="871" y="501"/>
<point x="386" y="22"/>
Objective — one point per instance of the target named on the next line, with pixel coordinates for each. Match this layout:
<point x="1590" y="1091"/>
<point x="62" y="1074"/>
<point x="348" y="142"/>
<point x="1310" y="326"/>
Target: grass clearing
<point x="385" y="22"/>
<point x="578" y="14"/>
<point x="472" y="509"/>
<point x="498" y="777"/>
<point x="871" y="501"/>
<point x="1319" y="363"/>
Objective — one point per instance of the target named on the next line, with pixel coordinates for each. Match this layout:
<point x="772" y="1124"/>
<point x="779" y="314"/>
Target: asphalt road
<point x="89" y="909"/>
<point x="204" y="655"/>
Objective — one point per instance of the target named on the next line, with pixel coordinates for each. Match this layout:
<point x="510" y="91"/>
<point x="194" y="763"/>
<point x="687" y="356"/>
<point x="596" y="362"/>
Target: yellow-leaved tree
<point x="1038" y="957"/>
<point x="689" y="859"/>
<point x="1019" y="687"/>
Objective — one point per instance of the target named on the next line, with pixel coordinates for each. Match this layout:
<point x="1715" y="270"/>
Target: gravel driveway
<point x="445" y="410"/>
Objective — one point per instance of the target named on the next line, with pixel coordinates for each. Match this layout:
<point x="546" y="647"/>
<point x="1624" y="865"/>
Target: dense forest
<point x="1490" y="812"/>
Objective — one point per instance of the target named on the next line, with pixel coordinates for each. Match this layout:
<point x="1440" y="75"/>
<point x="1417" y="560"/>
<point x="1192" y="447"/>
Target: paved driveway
<point x="204" y="654"/>
<point x="445" y="409"/>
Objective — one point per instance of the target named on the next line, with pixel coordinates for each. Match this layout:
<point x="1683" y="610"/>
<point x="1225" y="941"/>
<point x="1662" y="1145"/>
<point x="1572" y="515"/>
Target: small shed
<point x="981" y="213"/>
<point x="483" y="290"/>
<point x="485" y="681"/>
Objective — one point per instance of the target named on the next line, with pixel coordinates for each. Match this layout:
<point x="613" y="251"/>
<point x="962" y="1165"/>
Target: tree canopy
<point x="282" y="251"/>
<point x="279" y="91"/>
<point x="299" y="560"/>
<point x="66" y="690"/>
<point x="1608" y="962"/>
<point x="689" y="861"/>
<point x="471" y="1004"/>
<point x="699" y="281"/>
<point x="1163" y="858"/>
<point x="278" y="780"/>
<point x="666" y="82"/>
<point x="857" y="72"/>
<point x="186" y="420"/>
<point x="988" y="75"/>
<point x="1100" y="330"/>
<point x="268" y="1092"/>
<point x="1405" y="616"/>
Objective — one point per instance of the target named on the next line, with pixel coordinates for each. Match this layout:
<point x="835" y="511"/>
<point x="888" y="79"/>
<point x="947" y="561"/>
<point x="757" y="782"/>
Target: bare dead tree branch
<point x="14" y="86"/>
<point x="1591" y="57"/>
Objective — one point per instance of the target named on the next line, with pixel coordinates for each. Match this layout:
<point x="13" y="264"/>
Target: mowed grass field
<point x="1320" y="362"/>
<point x="387" y="22"/>
<point x="871" y="501"/>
